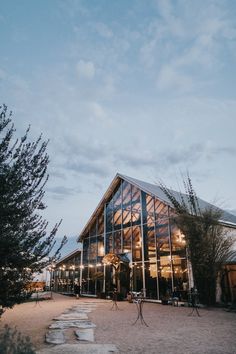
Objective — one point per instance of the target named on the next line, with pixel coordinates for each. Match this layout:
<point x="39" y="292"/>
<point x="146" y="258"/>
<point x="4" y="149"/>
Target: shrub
<point x="13" y="342"/>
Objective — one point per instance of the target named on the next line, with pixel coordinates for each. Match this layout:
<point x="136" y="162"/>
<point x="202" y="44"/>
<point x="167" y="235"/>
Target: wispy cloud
<point x="85" y="69"/>
<point x="103" y="30"/>
<point x="144" y="90"/>
<point x="61" y="192"/>
<point x="183" y="46"/>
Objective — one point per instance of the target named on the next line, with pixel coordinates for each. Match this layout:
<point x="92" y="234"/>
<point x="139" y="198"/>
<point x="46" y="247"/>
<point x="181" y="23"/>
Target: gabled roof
<point x="68" y="256"/>
<point x="154" y="190"/>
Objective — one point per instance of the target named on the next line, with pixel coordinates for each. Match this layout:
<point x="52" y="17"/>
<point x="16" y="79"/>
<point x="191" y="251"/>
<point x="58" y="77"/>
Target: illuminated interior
<point x="138" y="224"/>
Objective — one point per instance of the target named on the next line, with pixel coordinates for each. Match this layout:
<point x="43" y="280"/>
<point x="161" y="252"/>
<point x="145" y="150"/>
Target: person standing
<point x="77" y="290"/>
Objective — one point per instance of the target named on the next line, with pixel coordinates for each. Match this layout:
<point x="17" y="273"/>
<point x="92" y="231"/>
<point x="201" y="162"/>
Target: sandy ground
<point x="170" y="329"/>
<point x="32" y="319"/>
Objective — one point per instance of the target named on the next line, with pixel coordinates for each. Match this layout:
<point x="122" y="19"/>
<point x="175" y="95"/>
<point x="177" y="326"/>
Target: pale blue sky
<point x="144" y="88"/>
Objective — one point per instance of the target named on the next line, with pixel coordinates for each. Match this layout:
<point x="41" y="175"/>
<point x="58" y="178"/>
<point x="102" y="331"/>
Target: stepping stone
<point x="84" y="306"/>
<point x="55" y="337"/>
<point x="80" y="348"/>
<point x="85" y="310"/>
<point x="71" y="317"/>
<point x="85" y="334"/>
<point x="71" y="324"/>
<point x="80" y="309"/>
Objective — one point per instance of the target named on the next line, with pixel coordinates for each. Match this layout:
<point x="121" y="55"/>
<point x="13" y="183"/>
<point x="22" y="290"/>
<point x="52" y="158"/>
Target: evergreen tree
<point x="208" y="242"/>
<point x="25" y="244"/>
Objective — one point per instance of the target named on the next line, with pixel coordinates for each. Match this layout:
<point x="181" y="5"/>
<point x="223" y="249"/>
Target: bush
<point x="12" y="342"/>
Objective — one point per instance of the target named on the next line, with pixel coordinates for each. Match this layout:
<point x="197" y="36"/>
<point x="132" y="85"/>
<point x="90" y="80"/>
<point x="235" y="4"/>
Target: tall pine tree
<point x="25" y="244"/>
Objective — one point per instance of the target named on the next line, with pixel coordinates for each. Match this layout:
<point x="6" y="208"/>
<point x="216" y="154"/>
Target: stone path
<point x="75" y="317"/>
<point x="80" y="349"/>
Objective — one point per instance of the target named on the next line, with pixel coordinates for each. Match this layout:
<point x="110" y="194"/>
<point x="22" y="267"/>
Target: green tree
<point x="25" y="244"/>
<point x="207" y="240"/>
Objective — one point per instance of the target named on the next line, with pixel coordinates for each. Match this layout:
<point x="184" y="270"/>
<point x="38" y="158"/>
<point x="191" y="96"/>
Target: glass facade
<point x="137" y="225"/>
<point x="66" y="273"/>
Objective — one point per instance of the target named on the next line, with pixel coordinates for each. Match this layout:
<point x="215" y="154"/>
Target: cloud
<point x="72" y="146"/>
<point x="147" y="52"/>
<point x="84" y="157"/>
<point x="182" y="157"/>
<point x="2" y="74"/>
<point x="170" y="78"/>
<point x="61" y="192"/>
<point x="97" y="111"/>
<point x="85" y="69"/>
<point x="103" y="30"/>
<point x="184" y="46"/>
<point x="135" y="160"/>
<point x="190" y="155"/>
<point x="98" y="169"/>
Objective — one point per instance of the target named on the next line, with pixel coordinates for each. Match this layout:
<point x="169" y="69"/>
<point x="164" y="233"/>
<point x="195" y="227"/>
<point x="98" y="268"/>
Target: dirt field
<point x="170" y="329"/>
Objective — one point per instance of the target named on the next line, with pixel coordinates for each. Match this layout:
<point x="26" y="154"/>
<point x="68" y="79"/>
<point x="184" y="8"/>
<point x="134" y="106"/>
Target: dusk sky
<point x="144" y="88"/>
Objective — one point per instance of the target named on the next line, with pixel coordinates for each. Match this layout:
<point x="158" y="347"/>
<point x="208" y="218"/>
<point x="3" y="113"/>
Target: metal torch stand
<point x="194" y="303"/>
<point x="139" y="304"/>
<point x="114" y="301"/>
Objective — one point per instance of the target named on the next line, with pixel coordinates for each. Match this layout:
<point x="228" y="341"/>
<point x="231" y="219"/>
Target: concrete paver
<point x="80" y="349"/>
<point x="55" y="337"/>
<point x="85" y="334"/>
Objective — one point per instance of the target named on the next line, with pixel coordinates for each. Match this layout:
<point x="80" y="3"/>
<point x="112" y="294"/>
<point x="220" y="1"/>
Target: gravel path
<point x="170" y="329"/>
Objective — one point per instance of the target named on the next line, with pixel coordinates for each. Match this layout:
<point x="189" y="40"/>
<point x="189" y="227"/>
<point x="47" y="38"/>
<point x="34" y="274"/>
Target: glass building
<point x="66" y="272"/>
<point x="134" y="221"/>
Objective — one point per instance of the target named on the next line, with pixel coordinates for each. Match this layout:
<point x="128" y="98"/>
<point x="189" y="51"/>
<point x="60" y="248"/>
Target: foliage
<point x="207" y="241"/>
<point x="12" y="342"/>
<point x="25" y="244"/>
<point x="111" y="258"/>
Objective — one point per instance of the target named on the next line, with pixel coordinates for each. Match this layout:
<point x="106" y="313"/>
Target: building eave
<point x="100" y="204"/>
<point x="227" y="224"/>
<point x="145" y="187"/>
<point x="71" y="254"/>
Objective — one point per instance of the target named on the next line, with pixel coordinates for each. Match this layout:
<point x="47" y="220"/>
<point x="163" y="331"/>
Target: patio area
<point x="170" y="329"/>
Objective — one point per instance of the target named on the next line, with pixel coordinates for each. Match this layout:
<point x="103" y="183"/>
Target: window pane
<point x="136" y="206"/>
<point x="127" y="235"/>
<point x="162" y="236"/>
<point x="117" y="241"/>
<point x="109" y="243"/>
<point x="150" y="209"/>
<point x="137" y="253"/>
<point x="151" y="245"/>
<point x="93" y="229"/>
<point x="109" y="216"/>
<point x="178" y="239"/>
<point x="85" y="250"/>
<point x="137" y="277"/>
<point x="117" y="198"/>
<point x="100" y="245"/>
<point x="117" y="217"/>
<point x="101" y="223"/>
<point x="161" y="210"/>
<point x="93" y="249"/>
